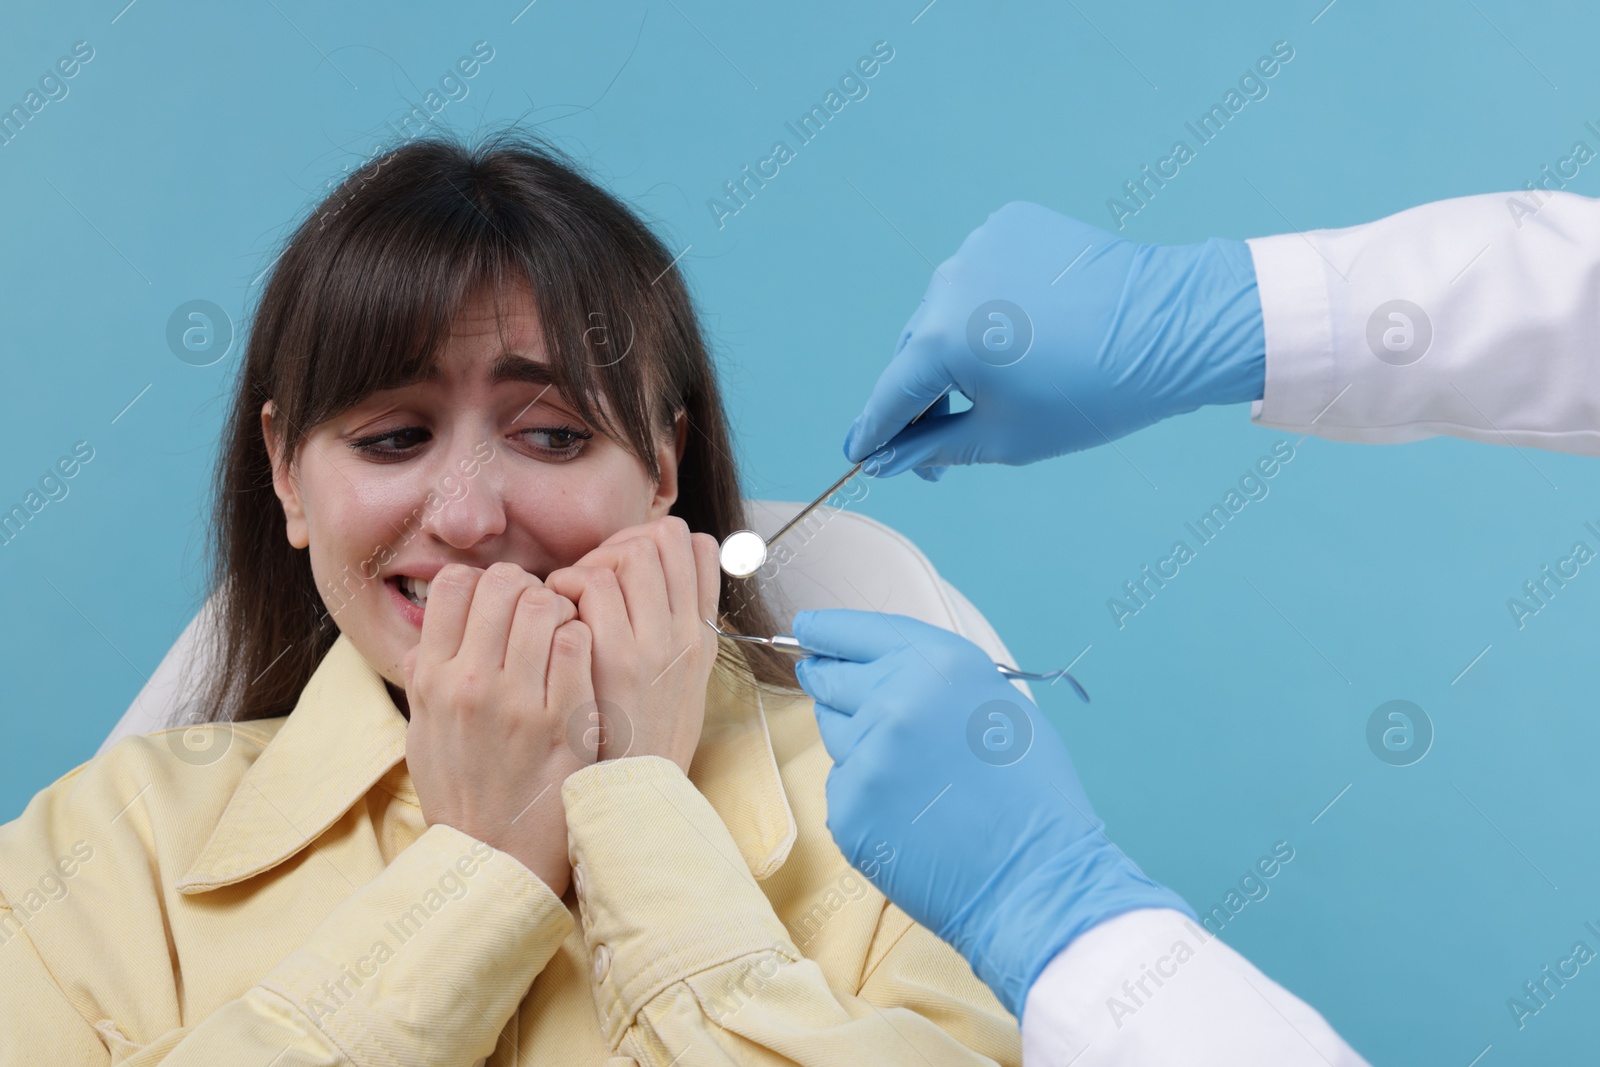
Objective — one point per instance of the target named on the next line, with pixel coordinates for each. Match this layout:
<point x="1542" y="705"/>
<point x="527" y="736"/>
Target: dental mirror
<point x="744" y="551"/>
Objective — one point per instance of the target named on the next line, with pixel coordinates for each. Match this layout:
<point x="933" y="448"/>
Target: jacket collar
<point x="345" y="734"/>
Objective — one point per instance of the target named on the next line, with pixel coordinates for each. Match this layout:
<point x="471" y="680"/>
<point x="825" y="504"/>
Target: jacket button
<point x="602" y="962"/>
<point x="577" y="881"/>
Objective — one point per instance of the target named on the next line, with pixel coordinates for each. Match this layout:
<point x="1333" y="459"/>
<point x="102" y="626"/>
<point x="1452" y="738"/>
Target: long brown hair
<point x="361" y="299"/>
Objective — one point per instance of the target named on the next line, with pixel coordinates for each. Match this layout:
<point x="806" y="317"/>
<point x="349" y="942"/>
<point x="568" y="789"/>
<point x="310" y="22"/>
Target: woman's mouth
<point x="410" y="596"/>
<point x="414" y="590"/>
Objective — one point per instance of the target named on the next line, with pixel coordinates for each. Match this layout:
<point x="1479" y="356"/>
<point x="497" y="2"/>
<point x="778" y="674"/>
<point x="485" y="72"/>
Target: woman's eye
<point x="558" y="441"/>
<point x="404" y="440"/>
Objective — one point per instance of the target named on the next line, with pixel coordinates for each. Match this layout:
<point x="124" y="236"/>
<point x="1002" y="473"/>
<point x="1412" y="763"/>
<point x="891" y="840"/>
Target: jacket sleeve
<point x="691" y="965"/>
<point x="339" y="999"/>
<point x="1149" y="986"/>
<point x="1473" y="317"/>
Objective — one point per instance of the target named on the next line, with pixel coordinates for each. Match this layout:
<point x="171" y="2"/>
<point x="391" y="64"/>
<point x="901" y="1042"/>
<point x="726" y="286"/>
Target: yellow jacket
<point x="268" y="894"/>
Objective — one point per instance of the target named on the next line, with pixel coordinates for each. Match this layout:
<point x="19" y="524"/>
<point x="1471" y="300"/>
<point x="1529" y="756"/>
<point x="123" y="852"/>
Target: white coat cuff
<point x="1152" y="986"/>
<point x="1291" y="278"/>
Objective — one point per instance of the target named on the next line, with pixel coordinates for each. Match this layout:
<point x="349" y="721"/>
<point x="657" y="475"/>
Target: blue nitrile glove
<point x="956" y="798"/>
<point x="1063" y="336"/>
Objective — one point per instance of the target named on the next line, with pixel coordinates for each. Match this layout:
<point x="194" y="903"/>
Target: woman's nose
<point x="462" y="511"/>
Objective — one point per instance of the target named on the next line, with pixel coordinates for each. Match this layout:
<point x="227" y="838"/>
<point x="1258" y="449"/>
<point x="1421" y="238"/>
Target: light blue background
<point x="1414" y="906"/>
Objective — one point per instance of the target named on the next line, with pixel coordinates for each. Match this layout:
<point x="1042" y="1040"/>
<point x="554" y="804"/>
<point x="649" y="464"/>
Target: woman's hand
<point x="645" y="592"/>
<point x="493" y="685"/>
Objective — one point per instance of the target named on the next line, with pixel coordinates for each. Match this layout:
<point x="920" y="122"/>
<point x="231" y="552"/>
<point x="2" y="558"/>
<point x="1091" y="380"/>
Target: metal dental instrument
<point x="744" y="551"/>
<point x="788" y="643"/>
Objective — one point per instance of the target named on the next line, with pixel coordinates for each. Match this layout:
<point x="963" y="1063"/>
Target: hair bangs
<point x="376" y="310"/>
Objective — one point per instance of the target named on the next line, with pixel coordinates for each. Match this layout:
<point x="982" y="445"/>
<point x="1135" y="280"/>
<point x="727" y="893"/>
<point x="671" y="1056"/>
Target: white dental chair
<point x="840" y="560"/>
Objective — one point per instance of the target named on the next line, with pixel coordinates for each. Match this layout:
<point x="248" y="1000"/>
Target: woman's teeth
<point x="415" y="590"/>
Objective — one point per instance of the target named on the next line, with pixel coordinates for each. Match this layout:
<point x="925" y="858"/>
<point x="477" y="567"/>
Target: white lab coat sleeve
<point x="1477" y="317"/>
<point x="1153" y="987"/>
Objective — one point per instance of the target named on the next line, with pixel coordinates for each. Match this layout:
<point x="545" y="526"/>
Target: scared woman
<point x="470" y="779"/>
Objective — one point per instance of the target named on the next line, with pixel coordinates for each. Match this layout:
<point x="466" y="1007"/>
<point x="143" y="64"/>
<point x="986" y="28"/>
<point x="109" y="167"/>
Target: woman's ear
<point x="285" y="482"/>
<point x="668" y="453"/>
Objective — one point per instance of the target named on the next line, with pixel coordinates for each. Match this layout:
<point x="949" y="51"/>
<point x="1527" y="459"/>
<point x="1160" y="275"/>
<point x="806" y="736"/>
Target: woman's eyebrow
<point x="508" y="367"/>
<point x="511" y="367"/>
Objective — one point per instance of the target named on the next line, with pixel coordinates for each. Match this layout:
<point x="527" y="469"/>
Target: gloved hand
<point x="1063" y="336"/>
<point x="957" y="799"/>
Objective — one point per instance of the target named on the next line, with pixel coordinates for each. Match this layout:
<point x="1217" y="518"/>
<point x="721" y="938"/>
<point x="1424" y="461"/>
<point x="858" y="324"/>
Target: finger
<point x="845" y="633"/>
<point x="489" y="621"/>
<point x="678" y="567"/>
<point x="708" y="577"/>
<point x="598" y="597"/>
<point x="939" y="440"/>
<point x="538" y="613"/>
<point x="445" y="619"/>
<point x="841" y="684"/>
<point x="643" y="581"/>
<point x="569" y="682"/>
<point x="914" y="377"/>
<point x="840" y="733"/>
<point x="876" y="463"/>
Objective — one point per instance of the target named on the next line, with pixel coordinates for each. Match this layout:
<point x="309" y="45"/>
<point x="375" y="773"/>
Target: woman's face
<point x="483" y="461"/>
